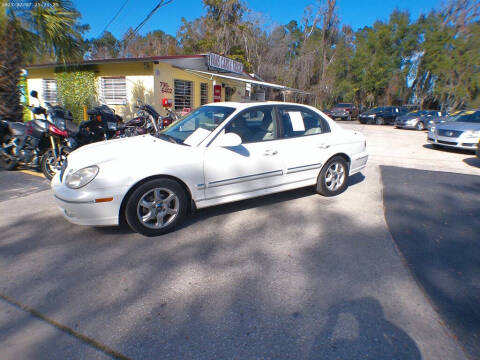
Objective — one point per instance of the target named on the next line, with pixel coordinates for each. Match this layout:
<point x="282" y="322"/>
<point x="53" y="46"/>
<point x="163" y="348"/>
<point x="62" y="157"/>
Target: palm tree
<point x="47" y="30"/>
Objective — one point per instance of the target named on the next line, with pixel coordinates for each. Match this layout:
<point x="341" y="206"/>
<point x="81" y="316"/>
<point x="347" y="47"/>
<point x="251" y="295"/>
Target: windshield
<point x="467" y="116"/>
<point x="201" y="122"/>
<point x="376" y="109"/>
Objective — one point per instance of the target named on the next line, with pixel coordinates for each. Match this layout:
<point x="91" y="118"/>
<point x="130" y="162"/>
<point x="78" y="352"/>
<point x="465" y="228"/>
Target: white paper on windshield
<point x="196" y="137"/>
<point x="297" y="120"/>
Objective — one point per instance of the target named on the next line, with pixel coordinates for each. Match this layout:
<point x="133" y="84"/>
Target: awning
<point x="255" y="82"/>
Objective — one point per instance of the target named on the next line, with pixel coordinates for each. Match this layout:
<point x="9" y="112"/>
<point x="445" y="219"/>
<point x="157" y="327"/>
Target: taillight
<point x="57" y="131"/>
<point x="99" y="118"/>
<point x="29" y="128"/>
<point x="166" y="122"/>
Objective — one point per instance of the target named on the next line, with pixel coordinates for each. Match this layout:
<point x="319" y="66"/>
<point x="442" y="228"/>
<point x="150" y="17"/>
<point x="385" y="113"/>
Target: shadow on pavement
<point x="473" y="161"/>
<point x="285" y="280"/>
<point x="434" y="218"/>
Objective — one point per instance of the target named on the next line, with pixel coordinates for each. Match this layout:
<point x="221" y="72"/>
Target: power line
<point x="150" y="14"/>
<point x="113" y="19"/>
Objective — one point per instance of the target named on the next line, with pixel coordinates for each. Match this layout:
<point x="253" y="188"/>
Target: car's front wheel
<point x="333" y="178"/>
<point x="420" y="126"/>
<point x="156" y="207"/>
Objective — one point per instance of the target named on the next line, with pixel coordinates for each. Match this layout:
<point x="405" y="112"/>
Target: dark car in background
<point x="344" y="111"/>
<point x="382" y="115"/>
<point x="417" y="119"/>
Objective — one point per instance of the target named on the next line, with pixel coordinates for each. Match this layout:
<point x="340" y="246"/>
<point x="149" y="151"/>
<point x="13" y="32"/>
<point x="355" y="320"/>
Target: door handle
<point x="324" y="146"/>
<point x="270" y="152"/>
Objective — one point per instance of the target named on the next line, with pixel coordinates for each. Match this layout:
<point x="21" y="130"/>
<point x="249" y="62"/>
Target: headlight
<point x="372" y="115"/>
<point x="431" y="122"/>
<point x="472" y="134"/>
<point x="412" y="120"/>
<point x="81" y="177"/>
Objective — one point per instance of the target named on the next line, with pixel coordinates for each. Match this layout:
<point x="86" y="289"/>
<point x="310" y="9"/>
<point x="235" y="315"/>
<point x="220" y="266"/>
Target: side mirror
<point x="228" y="140"/>
<point x="34" y="94"/>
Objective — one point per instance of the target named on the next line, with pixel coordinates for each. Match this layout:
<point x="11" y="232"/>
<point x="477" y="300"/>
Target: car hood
<point x="369" y="112"/>
<point x="130" y="150"/>
<point x="460" y="126"/>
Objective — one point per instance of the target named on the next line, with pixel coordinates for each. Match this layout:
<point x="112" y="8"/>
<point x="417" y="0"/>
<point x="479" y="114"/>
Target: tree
<point x="46" y="28"/>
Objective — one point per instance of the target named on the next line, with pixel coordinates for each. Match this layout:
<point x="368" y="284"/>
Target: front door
<point x="253" y="165"/>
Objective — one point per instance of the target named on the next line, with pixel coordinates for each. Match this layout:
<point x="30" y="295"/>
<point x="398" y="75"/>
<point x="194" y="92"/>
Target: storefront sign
<point x="219" y="62"/>
<point x="166" y="89"/>
<point x="217" y="93"/>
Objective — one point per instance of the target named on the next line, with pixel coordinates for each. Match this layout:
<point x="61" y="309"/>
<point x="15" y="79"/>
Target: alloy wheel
<point x="335" y="176"/>
<point x="158" y="208"/>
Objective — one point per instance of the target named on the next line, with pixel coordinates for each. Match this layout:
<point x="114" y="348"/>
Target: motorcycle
<point x="36" y="143"/>
<point x="147" y="121"/>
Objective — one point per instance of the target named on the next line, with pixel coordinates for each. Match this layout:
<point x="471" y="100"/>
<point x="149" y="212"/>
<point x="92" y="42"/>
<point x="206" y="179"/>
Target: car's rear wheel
<point x="420" y="126"/>
<point x="333" y="178"/>
<point x="379" y="120"/>
<point x="156" y="207"/>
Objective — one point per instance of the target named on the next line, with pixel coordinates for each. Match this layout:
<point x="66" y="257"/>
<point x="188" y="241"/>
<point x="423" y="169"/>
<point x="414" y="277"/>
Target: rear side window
<point x="298" y="121"/>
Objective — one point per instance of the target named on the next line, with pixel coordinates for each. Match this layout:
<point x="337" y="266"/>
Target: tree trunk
<point x="10" y="70"/>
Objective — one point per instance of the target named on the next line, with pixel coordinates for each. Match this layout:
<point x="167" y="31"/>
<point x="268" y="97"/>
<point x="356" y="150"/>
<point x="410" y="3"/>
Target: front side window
<point x="49" y="90"/>
<point x="197" y="125"/>
<point x="298" y="121"/>
<point x="114" y="90"/>
<point x="183" y="94"/>
<point x="254" y="125"/>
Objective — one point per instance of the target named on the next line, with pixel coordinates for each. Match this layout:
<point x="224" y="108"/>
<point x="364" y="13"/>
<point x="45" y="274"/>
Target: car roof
<point x="245" y="105"/>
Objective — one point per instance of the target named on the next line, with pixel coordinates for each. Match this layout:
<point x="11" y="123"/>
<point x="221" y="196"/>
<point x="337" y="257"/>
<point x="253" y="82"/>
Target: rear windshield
<point x="343" y="105"/>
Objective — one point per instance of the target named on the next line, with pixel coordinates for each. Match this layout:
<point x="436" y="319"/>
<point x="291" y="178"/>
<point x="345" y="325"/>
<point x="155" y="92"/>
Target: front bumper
<point x="405" y="125"/>
<point x="453" y="142"/>
<point x="80" y="207"/>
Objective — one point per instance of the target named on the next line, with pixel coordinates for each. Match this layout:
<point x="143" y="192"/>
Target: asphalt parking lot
<point x="291" y="276"/>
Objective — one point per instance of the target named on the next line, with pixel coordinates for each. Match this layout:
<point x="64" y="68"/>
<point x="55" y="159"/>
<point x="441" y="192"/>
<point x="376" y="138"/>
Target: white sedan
<point x="220" y="153"/>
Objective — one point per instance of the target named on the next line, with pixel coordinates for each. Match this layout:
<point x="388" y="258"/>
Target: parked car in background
<point x="219" y="153"/>
<point x="462" y="132"/>
<point x="382" y="115"/>
<point x="417" y="119"/>
<point x="344" y="111"/>
<point x="436" y="120"/>
<point x="327" y="112"/>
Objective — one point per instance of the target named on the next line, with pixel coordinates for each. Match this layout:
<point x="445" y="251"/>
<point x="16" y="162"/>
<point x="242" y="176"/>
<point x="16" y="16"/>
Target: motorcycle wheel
<point x="6" y="163"/>
<point x="50" y="165"/>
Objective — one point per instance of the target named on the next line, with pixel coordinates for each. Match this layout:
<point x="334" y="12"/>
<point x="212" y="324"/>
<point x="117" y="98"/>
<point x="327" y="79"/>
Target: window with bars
<point x="49" y="90"/>
<point x="114" y="90"/>
<point x="182" y="94"/>
<point x="203" y="93"/>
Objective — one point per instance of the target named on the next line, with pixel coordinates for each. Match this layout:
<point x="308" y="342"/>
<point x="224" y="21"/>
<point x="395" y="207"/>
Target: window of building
<point x="182" y="94"/>
<point x="203" y="94"/>
<point x="49" y="90"/>
<point x="114" y="90"/>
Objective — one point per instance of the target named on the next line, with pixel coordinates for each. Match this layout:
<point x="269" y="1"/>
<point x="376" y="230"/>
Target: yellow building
<point x="185" y="81"/>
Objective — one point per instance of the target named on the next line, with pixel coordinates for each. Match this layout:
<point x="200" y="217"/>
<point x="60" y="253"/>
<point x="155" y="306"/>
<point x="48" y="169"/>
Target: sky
<point x="356" y="13"/>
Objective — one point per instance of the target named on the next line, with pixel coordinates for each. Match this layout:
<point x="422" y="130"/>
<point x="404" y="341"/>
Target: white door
<point x="253" y="165"/>
<point x="304" y="143"/>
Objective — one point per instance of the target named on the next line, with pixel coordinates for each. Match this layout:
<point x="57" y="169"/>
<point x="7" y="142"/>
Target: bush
<point x="75" y="89"/>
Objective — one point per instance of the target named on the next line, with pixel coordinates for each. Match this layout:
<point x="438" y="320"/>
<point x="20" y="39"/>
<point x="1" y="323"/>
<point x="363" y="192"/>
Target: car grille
<point x="449" y="133"/>
<point x="447" y="142"/>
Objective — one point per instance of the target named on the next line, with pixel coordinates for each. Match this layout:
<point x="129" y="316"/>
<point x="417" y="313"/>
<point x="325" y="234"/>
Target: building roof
<point x="116" y="60"/>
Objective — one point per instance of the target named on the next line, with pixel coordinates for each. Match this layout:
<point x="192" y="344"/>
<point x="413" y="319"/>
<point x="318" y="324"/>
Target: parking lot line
<point x="85" y="339"/>
<point x="34" y="173"/>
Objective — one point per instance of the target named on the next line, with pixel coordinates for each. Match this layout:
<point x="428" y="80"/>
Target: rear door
<point x="304" y="142"/>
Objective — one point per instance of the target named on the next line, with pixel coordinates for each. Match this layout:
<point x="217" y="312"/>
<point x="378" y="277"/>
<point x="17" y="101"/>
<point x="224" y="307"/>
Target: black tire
<point x="5" y="162"/>
<point x="146" y="191"/>
<point x="323" y="187"/>
<point x="379" y="121"/>
<point x="420" y="126"/>
<point x="49" y="163"/>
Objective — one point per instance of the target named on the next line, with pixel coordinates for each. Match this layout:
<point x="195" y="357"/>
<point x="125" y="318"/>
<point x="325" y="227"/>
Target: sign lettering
<point x="223" y="63"/>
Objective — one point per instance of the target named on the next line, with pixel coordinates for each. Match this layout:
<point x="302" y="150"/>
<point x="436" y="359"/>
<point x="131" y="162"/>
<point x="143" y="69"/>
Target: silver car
<point x="417" y="119"/>
<point x="461" y="133"/>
